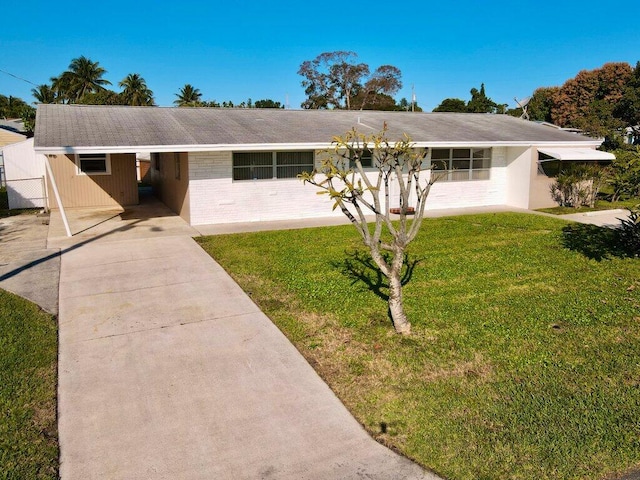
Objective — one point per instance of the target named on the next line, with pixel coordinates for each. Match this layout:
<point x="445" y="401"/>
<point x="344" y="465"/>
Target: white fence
<point x="27" y="193"/>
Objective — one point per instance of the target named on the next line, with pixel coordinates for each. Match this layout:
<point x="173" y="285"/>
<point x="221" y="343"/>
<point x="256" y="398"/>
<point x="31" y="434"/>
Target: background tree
<point x="188" y="96"/>
<point x="83" y="77"/>
<point x="480" y="103"/>
<point x="44" y="94"/>
<point x="628" y="107"/>
<point x="451" y="105"/>
<point x="623" y="175"/>
<point x="103" y="97"/>
<point x="61" y="86"/>
<point x="404" y="105"/>
<point x="268" y="103"/>
<point x="135" y="90"/>
<point x="334" y="79"/>
<point x="542" y="103"/>
<point x="28" y="117"/>
<point x="384" y="82"/>
<point x="11" y="107"/>
<point x="588" y="100"/>
<point x="343" y="178"/>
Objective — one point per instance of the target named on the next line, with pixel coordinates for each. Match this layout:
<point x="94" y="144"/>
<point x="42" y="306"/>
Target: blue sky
<point x="234" y="50"/>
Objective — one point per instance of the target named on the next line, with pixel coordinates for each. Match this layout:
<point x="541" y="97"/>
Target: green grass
<point x="600" y="205"/>
<point x="524" y="361"/>
<point x="28" y="431"/>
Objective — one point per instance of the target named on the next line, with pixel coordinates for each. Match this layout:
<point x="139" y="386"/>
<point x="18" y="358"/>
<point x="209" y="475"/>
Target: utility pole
<point x="413" y="97"/>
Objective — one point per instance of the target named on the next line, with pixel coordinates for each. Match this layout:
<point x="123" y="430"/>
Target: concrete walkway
<point x="27" y="266"/>
<point x="601" y="218"/>
<point x="167" y="370"/>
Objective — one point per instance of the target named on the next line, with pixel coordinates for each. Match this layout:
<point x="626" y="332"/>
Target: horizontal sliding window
<point x="268" y="165"/>
<point x="461" y="164"/>
<point x="93" y="163"/>
<point x="291" y="164"/>
<point x="252" y="165"/>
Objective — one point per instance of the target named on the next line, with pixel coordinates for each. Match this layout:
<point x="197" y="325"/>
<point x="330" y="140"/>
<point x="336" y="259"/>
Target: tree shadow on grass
<point x="360" y="267"/>
<point x="596" y="243"/>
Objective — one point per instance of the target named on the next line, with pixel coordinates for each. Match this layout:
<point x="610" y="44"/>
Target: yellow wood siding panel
<point x="120" y="188"/>
<point x="7" y="137"/>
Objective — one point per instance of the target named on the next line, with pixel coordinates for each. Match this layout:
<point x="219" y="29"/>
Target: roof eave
<point x="284" y="146"/>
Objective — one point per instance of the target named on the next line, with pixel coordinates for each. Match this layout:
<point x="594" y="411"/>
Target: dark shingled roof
<point x="94" y="126"/>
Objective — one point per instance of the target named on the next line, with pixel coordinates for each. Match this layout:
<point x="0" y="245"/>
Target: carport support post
<point x="58" y="201"/>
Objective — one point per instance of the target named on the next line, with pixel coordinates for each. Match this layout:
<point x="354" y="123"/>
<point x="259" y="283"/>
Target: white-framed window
<point x="93" y="163"/>
<point x="366" y="159"/>
<point x="461" y="164"/>
<point x="269" y="165"/>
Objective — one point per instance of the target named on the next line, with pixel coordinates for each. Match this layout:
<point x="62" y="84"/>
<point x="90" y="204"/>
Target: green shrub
<point x="578" y="185"/>
<point x="624" y="174"/>
<point x="629" y="233"/>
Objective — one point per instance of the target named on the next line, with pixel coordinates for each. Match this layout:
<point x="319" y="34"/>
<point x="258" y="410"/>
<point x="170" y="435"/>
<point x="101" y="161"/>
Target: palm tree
<point x="83" y="76"/>
<point x="61" y="86"/>
<point x="44" y="94"/>
<point x="135" y="90"/>
<point x="188" y="97"/>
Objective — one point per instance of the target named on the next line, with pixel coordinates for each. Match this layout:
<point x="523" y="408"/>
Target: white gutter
<point x="58" y="200"/>
<point x="237" y="147"/>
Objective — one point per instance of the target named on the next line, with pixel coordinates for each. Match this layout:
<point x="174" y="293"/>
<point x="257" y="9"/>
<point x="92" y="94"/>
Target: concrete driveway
<point x="167" y="370"/>
<point x="28" y="267"/>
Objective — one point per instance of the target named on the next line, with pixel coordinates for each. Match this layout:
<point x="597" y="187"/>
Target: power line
<point x="19" y="78"/>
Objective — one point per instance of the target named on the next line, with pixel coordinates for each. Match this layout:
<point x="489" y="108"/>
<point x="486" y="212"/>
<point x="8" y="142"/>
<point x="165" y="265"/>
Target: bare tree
<point x="342" y="176"/>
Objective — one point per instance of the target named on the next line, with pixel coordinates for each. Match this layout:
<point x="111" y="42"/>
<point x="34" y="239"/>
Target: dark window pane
<point x="481" y="153"/>
<point x="460" y="164"/>
<point x="461" y="153"/>
<point x="241" y="159"/>
<point x="294" y="158"/>
<point x="481" y="163"/>
<point x="292" y="171"/>
<point x="440" y="154"/>
<point x="93" y="163"/>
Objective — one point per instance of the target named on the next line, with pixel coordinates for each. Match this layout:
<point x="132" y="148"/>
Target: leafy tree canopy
<point x="83" y="77"/>
<point x="135" y="90"/>
<point x="188" y="96"/>
<point x="268" y="103"/>
<point x="479" y="103"/>
<point x="11" y="107"/>
<point x="336" y="80"/>
<point x="451" y="105"/>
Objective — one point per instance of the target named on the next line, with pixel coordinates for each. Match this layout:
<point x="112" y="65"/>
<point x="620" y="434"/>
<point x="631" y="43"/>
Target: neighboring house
<point x="9" y="134"/>
<point x="25" y="176"/>
<point x="225" y="165"/>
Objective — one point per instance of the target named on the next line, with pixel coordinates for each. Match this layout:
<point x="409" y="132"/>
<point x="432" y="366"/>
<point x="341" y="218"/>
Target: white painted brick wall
<point x="216" y="198"/>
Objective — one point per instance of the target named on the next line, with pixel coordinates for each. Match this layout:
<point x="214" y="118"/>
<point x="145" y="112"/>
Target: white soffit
<point x="576" y="154"/>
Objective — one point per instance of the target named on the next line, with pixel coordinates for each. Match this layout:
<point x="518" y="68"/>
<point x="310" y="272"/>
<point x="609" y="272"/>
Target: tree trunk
<point x="400" y="322"/>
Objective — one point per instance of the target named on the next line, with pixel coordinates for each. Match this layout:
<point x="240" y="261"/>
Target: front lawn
<point x="524" y="360"/>
<point x="28" y="358"/>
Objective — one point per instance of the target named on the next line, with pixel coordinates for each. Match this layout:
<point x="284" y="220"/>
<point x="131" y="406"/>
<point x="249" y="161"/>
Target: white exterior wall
<point x="24" y="171"/>
<point x="519" y="176"/>
<point x="216" y="198"/>
<point x="473" y="193"/>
